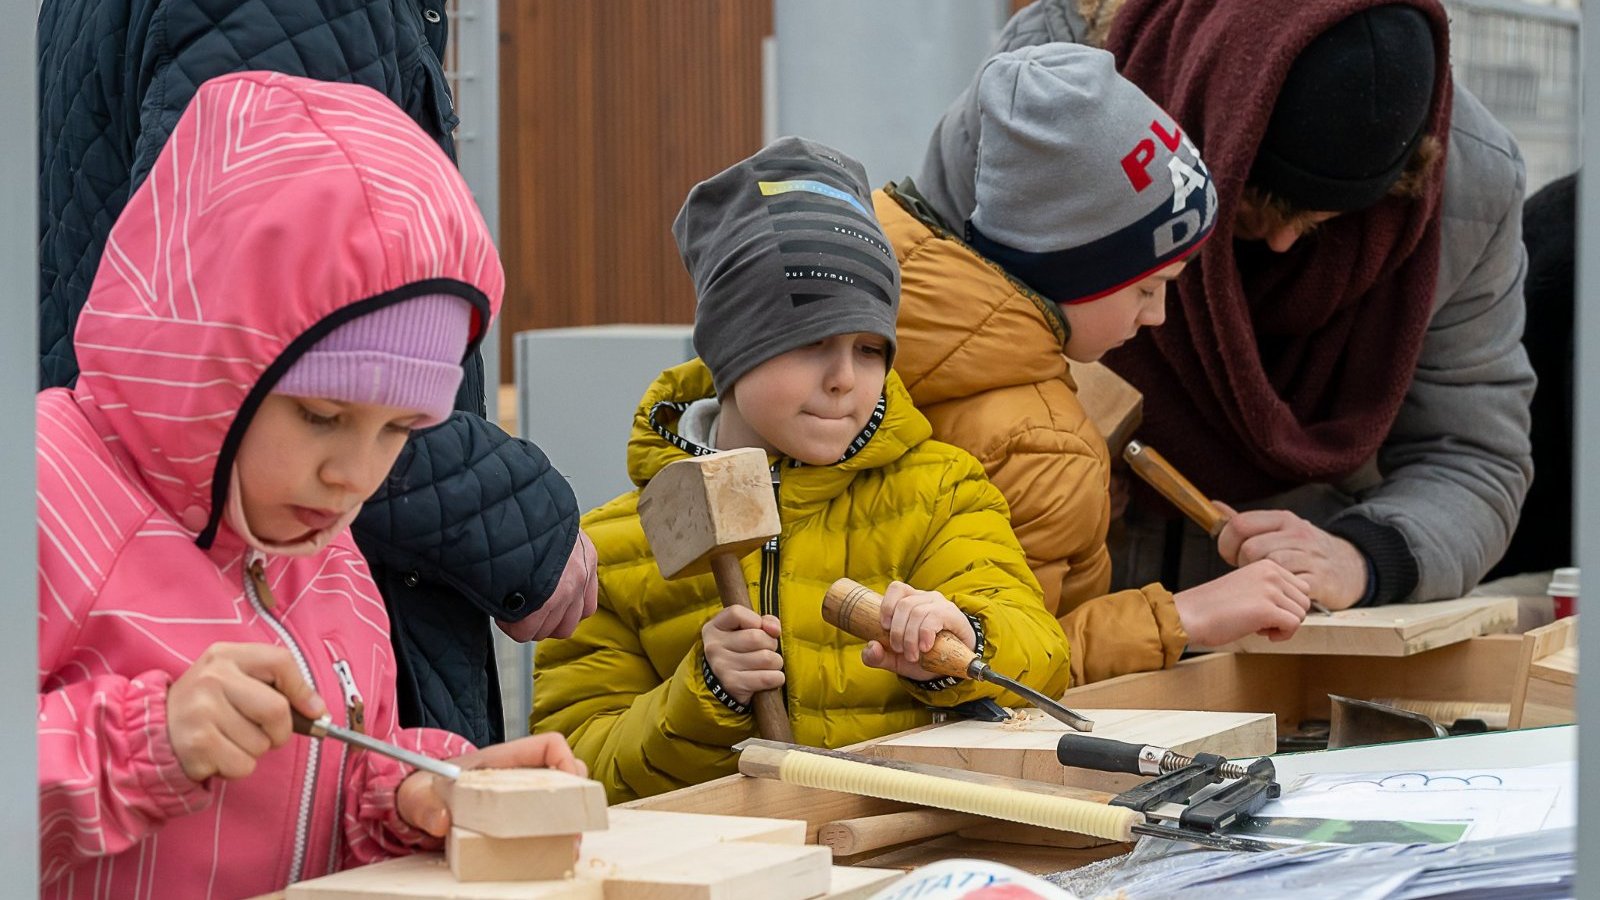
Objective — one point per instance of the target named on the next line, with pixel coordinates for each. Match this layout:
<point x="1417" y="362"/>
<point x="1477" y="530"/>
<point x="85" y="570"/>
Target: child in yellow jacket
<point x="797" y="295"/>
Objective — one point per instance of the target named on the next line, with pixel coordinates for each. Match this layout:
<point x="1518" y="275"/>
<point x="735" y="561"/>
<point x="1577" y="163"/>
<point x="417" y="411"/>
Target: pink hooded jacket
<point x="279" y="208"/>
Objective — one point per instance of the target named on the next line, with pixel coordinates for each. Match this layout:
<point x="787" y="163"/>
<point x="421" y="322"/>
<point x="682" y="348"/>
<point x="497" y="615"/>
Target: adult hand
<point x="742" y="649"/>
<point x="232" y="705"/>
<point x="913" y="619"/>
<point x="1260" y="598"/>
<point x="573" y="600"/>
<point x="420" y="798"/>
<point x="1332" y="567"/>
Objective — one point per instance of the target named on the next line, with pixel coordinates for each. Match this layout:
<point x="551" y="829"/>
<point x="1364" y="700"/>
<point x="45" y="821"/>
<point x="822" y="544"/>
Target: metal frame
<point x="1587" y="437"/>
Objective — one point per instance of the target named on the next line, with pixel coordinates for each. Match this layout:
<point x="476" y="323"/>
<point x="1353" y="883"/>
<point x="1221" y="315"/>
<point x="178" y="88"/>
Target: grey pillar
<point x="1587" y="435"/>
<point x="19" y="354"/>
<point x="871" y="77"/>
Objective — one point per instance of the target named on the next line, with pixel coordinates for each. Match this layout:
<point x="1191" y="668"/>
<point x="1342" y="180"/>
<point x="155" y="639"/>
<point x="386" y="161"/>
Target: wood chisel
<point x="324" y="727"/>
<point x="1181" y="492"/>
<point x="857" y="609"/>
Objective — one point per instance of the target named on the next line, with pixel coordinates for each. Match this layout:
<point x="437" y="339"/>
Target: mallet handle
<point x="853" y="607"/>
<point x="772" y="718"/>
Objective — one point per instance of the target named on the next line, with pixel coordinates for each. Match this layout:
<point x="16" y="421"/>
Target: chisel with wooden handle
<point x="853" y="607"/>
<point x="1180" y="491"/>
<point x="324" y="727"/>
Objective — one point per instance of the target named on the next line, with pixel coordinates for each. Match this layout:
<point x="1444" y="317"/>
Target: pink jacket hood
<point x="280" y="208"/>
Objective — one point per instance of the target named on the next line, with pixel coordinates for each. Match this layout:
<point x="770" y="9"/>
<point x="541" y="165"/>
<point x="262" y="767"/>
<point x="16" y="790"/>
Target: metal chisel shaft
<point x="324" y="727"/>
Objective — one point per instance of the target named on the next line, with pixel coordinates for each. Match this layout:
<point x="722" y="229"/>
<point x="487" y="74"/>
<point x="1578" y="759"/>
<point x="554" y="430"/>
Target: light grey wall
<point x="871" y="77"/>
<point x="19" y="616"/>
<point x="1587" y="433"/>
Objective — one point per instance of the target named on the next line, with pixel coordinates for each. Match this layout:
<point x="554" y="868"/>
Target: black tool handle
<point x="1100" y="754"/>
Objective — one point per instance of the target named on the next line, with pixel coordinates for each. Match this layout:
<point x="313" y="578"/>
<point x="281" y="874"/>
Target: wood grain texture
<point x="513" y="803"/>
<point x="479" y="857"/>
<point x="858" y="882"/>
<point x="1400" y="630"/>
<point x="643" y="855"/>
<point x="1027" y="749"/>
<point x="1537" y="645"/>
<point x="609" y="113"/>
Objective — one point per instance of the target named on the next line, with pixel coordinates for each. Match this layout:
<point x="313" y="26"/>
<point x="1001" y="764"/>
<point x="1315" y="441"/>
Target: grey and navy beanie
<point x="1084" y="185"/>
<point x="785" y="251"/>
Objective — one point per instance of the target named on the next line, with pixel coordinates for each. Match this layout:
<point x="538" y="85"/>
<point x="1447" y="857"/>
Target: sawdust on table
<point x="1020" y="718"/>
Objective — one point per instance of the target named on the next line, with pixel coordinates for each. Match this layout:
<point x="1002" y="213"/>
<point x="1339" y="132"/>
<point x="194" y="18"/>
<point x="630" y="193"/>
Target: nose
<point x="1155" y="312"/>
<point x="841" y="374"/>
<point x="1280" y="240"/>
<point x="351" y="471"/>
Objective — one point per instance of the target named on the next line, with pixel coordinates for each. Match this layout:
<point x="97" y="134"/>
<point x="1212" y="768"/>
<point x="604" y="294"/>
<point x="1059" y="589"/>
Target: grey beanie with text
<point x="784" y="250"/>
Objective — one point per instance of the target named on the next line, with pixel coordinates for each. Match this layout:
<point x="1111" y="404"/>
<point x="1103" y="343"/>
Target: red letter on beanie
<point x="1137" y="164"/>
<point x="1170" y="141"/>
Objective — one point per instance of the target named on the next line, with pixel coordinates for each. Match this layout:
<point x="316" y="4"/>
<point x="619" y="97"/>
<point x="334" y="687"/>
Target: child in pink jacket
<point x="290" y="292"/>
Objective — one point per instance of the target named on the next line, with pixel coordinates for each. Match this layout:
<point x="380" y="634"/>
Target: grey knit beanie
<point x="784" y="251"/>
<point x="1083" y="184"/>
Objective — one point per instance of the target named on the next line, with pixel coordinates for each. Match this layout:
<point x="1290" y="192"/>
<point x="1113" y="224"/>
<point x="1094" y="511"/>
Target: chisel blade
<point x="1050" y="707"/>
<point x="324" y="727"/>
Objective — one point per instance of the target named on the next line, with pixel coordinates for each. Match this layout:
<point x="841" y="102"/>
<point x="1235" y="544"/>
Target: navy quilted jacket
<point x="474" y="523"/>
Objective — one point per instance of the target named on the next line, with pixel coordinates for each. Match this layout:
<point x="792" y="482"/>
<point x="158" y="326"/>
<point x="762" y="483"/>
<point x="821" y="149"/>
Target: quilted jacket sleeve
<point x="972" y="557"/>
<point x="473" y="508"/>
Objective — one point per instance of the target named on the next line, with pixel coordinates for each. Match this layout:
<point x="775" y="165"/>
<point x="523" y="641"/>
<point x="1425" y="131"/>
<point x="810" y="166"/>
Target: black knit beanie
<point x="1350" y="112"/>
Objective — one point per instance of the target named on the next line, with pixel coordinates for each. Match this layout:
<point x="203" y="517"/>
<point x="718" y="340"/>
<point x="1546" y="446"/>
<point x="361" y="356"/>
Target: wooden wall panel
<point x="610" y="111"/>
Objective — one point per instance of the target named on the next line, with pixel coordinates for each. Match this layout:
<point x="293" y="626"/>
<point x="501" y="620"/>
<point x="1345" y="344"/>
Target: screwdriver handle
<point x="855" y="608"/>
<point x="1107" y="755"/>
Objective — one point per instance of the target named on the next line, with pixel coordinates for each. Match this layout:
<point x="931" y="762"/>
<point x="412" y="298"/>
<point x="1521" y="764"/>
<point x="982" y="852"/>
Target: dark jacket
<point x="474" y="523"/>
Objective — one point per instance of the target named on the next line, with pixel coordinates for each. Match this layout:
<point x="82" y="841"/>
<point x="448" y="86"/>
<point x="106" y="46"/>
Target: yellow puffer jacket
<point x="982" y="357"/>
<point x="627" y="687"/>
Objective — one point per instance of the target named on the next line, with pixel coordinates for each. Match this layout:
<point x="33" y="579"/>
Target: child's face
<point x="809" y="403"/>
<point x="305" y="462"/>
<point x="1103" y="325"/>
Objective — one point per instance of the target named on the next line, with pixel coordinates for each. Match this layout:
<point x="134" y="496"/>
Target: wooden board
<point x="1552" y="690"/>
<point x="1114" y="406"/>
<point x="643" y="854"/>
<point x="1027" y="749"/>
<point x="858" y="882"/>
<point x="1538" y="645"/>
<point x="1401" y="630"/>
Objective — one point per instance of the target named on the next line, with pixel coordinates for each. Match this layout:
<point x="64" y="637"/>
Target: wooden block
<point x="1114" y="406"/>
<point x="1552" y="690"/>
<point x="1027" y="749"/>
<point x="479" y="857"/>
<point x="1400" y="630"/>
<point x="721" y="502"/>
<point x="641" y="852"/>
<point x="769" y="871"/>
<point x="858" y="882"/>
<point x="1536" y="646"/>
<point x="510" y="803"/>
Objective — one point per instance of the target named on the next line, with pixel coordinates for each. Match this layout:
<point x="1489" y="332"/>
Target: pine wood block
<point x="695" y="508"/>
<point x="515" y="803"/>
<point x="1539" y="645"/>
<point x="479" y="857"/>
<point x="1027" y="748"/>
<point x="858" y="882"/>
<point x="642" y="851"/>
<point x="1552" y="690"/>
<point x="1114" y="406"/>
<point x="1400" y="630"/>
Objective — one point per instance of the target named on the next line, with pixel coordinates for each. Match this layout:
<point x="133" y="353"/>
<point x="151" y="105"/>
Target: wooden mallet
<point x="705" y="514"/>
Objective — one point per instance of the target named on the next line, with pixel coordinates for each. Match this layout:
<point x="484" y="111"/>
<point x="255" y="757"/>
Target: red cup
<point x="1563" y="592"/>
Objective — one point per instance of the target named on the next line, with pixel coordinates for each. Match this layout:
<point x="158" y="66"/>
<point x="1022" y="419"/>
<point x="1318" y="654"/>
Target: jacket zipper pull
<point x="355" y="711"/>
<point x="258" y="578"/>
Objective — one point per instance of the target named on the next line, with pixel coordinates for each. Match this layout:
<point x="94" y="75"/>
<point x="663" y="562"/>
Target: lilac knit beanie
<point x="406" y="355"/>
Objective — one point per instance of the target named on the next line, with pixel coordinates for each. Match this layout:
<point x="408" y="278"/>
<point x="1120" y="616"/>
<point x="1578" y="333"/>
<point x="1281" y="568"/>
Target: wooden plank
<point x="760" y="797"/>
<point x="1027" y="748"/>
<point x="479" y="857"/>
<point x="1216" y="682"/>
<point x="1114" y="406"/>
<point x="513" y="803"/>
<point x="641" y="849"/>
<point x="858" y="882"/>
<point x="1536" y="645"/>
<point x="1391" y="630"/>
<point x="1471" y="671"/>
<point x="1032" y="835"/>
<point x="1037" y="860"/>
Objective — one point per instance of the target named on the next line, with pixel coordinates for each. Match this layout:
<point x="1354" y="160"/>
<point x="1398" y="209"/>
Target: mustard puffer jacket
<point x="982" y="356"/>
<point x="627" y="688"/>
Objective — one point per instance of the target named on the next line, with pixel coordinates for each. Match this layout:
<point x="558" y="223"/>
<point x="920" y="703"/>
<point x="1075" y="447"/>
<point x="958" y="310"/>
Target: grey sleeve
<point x="1457" y="462"/>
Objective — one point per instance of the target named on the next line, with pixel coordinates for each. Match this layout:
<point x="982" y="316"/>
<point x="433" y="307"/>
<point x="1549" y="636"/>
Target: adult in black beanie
<point x="1342" y="361"/>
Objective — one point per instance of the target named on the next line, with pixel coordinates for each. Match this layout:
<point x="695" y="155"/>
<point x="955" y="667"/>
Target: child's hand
<point x="1261" y="598"/>
<point x="913" y="619"/>
<point x="574" y="599"/>
<point x="742" y="649"/>
<point x="420" y="798"/>
<point x="232" y="706"/>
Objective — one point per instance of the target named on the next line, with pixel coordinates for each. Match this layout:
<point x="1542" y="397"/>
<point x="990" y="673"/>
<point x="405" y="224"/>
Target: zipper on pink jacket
<point x="253" y="573"/>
